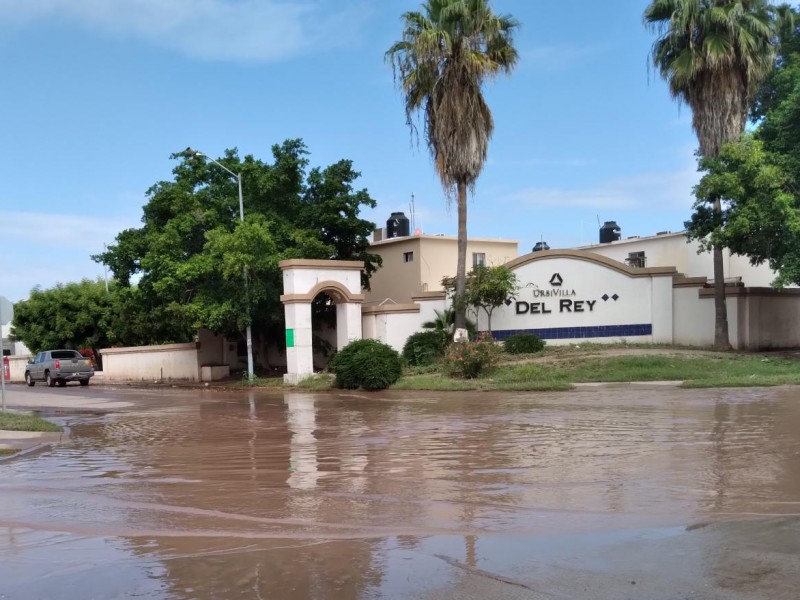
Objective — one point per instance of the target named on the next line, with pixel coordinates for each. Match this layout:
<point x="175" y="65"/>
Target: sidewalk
<point x="26" y="441"/>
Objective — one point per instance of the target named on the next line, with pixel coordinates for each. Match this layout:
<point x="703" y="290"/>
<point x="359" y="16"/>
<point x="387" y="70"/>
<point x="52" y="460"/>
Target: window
<point x="478" y="259"/>
<point x="65" y="354"/>
<point x="637" y="260"/>
<point x="408" y="257"/>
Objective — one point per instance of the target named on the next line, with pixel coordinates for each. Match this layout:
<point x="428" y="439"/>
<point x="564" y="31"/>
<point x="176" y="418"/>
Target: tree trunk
<point x="721" y="339"/>
<point x="461" y="266"/>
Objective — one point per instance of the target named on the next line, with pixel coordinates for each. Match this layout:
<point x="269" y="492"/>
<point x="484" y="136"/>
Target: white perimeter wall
<point x="169" y="362"/>
<point x="392" y="324"/>
<point x="17" y="364"/>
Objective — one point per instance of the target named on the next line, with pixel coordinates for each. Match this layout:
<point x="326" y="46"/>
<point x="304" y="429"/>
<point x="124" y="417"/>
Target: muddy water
<point x="591" y="494"/>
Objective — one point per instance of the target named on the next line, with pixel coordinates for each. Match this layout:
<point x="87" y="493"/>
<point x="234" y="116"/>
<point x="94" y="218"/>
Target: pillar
<point x="299" y="354"/>
<point x="348" y="323"/>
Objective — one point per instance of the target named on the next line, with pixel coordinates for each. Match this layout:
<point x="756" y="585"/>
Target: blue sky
<point x="99" y="93"/>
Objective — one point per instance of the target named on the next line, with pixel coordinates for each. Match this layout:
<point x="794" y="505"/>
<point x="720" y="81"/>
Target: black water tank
<point x="398" y="225"/>
<point x="539" y="246"/>
<point x="610" y="232"/>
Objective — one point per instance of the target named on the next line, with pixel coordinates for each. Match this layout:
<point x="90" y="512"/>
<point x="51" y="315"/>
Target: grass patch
<point x="267" y="382"/>
<point x="25" y="422"/>
<point x="696" y="371"/>
<point x="585" y="363"/>
<point x="7" y="451"/>
<point x="590" y="347"/>
<point x="700" y="371"/>
<point x="440" y="383"/>
<point x="320" y="381"/>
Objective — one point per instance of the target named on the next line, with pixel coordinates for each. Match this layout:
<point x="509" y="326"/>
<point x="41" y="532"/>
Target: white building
<point x="669" y="249"/>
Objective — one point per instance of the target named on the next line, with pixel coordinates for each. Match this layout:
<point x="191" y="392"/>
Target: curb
<point x="620" y="384"/>
<point x="38" y="448"/>
<point x="27" y="452"/>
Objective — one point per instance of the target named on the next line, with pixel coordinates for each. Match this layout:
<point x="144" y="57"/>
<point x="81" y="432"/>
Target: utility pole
<point x="2" y="356"/>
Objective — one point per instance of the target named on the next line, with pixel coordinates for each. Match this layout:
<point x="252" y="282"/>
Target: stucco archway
<point x="303" y="280"/>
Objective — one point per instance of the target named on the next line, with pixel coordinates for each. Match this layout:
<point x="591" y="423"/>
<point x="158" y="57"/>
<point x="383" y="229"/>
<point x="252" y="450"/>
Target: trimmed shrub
<point x="523" y="343"/>
<point x="467" y="360"/>
<point x="367" y="364"/>
<point x="425" y="347"/>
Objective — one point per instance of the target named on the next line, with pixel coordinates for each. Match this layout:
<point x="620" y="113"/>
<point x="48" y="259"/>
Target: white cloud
<point x="241" y="30"/>
<point x="654" y="191"/>
<point x="53" y="231"/>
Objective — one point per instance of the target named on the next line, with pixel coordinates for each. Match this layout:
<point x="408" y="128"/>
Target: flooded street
<point x="611" y="493"/>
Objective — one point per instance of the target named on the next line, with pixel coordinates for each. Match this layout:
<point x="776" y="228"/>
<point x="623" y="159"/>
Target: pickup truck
<point x="58" y="367"/>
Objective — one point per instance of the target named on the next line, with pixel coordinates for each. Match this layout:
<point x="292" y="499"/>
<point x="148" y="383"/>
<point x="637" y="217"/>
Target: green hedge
<point x="367" y="364"/>
<point x="425" y="347"/>
<point x="523" y="343"/>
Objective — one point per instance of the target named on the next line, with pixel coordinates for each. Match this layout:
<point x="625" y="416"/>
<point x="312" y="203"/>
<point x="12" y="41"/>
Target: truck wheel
<point x="28" y="380"/>
<point x="49" y="380"/>
<point x="84" y="382"/>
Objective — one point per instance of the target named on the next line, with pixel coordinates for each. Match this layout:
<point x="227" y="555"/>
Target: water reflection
<point x="348" y="496"/>
<point x="301" y="419"/>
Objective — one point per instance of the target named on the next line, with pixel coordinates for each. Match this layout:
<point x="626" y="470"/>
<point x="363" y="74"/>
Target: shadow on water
<point x="413" y="495"/>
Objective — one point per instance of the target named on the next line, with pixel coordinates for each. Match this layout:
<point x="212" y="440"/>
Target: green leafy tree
<point x="188" y="257"/>
<point x="713" y="55"/>
<point x="777" y="106"/>
<point x="80" y="316"/>
<point x="446" y="53"/>
<point x="490" y="287"/>
<point x="760" y="215"/>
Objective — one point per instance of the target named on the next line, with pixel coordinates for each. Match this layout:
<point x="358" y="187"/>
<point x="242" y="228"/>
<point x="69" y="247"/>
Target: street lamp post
<point x="238" y="177"/>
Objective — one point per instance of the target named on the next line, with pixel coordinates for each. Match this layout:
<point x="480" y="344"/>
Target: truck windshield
<point x="65" y="354"/>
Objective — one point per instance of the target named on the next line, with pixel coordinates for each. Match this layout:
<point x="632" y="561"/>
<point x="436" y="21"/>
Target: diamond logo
<point x="604" y="297"/>
<point x="615" y="297"/>
<point x="556" y="280"/>
<point x="508" y="302"/>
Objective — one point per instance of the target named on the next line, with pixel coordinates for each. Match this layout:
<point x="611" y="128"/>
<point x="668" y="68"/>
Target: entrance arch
<point x="303" y="280"/>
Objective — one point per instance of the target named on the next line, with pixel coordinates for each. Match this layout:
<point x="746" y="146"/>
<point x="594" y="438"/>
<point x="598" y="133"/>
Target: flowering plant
<point x="467" y="360"/>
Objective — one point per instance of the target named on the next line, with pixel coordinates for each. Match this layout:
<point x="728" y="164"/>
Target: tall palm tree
<point x="713" y="55"/>
<point x="445" y="55"/>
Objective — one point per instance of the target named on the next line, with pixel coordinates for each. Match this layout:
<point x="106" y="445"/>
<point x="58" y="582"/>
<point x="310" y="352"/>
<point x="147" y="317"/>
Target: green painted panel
<point x="290" y="338"/>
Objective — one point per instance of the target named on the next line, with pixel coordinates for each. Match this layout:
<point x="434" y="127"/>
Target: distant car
<point x="58" y="367"/>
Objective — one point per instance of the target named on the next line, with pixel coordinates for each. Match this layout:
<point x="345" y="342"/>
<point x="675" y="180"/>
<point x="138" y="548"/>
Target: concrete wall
<point x="693" y="323"/>
<point x="765" y="318"/>
<point x="211" y="348"/>
<point x="392" y="324"/>
<point x="17" y="365"/>
<point x="169" y="362"/>
<point x="572" y="296"/>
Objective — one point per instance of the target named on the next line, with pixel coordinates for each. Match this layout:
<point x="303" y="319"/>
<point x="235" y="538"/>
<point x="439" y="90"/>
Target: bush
<point x="425" y="347"/>
<point x="468" y="359"/>
<point x="523" y="343"/>
<point x="368" y="364"/>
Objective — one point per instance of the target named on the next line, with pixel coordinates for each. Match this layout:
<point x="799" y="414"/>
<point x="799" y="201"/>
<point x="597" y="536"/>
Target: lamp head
<point x="191" y="152"/>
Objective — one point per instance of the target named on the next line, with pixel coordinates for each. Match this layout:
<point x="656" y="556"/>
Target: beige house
<point x="417" y="264"/>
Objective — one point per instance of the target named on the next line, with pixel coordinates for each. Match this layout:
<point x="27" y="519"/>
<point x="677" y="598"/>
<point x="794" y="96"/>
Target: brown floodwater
<point x="607" y="493"/>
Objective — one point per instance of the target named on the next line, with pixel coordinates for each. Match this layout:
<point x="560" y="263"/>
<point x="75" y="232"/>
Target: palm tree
<point x="447" y="52"/>
<point x="713" y="55"/>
